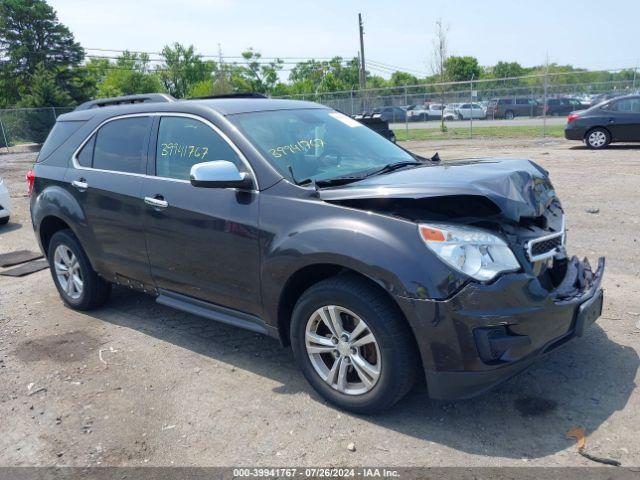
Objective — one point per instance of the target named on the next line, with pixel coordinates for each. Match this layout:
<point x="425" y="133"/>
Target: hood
<point x="519" y="188"/>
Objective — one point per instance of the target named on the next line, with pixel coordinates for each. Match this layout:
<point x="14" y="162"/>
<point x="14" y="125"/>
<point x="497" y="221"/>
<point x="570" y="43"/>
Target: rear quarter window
<point x="59" y="134"/>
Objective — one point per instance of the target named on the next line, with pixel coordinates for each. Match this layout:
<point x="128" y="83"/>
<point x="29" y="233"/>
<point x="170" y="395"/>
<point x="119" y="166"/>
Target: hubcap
<point x="68" y="272"/>
<point x="343" y="350"/>
<point x="597" y="139"/>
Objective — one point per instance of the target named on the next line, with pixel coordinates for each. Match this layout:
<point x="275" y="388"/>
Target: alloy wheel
<point x="343" y="350"/>
<point x="68" y="272"/>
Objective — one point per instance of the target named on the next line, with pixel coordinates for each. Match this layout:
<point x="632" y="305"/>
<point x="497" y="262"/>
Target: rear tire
<point x="597" y="138"/>
<point x="78" y="284"/>
<point x="4" y="221"/>
<point x="320" y="349"/>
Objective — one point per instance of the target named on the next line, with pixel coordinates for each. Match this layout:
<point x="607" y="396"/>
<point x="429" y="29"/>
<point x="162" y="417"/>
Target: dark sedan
<point x="616" y="120"/>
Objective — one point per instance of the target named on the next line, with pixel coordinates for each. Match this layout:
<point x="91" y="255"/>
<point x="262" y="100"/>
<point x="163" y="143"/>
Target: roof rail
<point x="231" y="95"/>
<point x="126" y="100"/>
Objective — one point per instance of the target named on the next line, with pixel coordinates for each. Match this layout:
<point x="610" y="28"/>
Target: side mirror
<point x="219" y="174"/>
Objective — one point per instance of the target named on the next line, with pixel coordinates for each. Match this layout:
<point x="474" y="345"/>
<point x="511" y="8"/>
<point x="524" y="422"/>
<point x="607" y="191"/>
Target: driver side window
<point x="183" y="142"/>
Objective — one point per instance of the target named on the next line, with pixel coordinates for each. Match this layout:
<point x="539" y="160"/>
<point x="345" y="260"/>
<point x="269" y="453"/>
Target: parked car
<point x="5" y="203"/>
<point x="392" y="114"/>
<point x="417" y="113"/>
<point x="432" y="111"/>
<point x="293" y="220"/>
<point x="616" y="120"/>
<point x="451" y="111"/>
<point x="511" y="107"/>
<point x="563" y="106"/>
<point x="466" y="111"/>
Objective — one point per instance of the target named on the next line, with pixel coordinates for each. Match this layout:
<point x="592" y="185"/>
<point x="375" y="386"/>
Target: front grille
<point x="546" y="246"/>
<point x="540" y="248"/>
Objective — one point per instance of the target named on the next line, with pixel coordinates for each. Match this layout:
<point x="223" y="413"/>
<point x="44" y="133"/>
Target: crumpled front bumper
<point x="487" y="333"/>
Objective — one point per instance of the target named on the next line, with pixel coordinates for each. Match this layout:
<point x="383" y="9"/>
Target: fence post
<point x="4" y="136"/>
<point x="406" y="118"/>
<point x="471" y="108"/>
<point x="544" y="104"/>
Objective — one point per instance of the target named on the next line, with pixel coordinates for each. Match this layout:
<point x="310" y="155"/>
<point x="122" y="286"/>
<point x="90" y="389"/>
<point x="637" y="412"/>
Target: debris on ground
<point x="351" y="447"/>
<point x="581" y="441"/>
<point x="593" y="210"/>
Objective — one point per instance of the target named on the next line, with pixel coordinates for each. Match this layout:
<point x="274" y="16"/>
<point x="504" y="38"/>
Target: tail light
<point x="31" y="178"/>
<point x="572" y="117"/>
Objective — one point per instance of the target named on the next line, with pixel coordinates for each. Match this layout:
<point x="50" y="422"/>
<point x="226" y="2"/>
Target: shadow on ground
<point x="583" y="384"/>
<point x="615" y="146"/>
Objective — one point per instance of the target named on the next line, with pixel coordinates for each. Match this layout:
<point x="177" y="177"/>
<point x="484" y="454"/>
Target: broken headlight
<point x="477" y="253"/>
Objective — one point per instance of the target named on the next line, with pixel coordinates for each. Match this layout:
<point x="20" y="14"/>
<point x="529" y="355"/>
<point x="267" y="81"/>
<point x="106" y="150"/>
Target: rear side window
<point x="120" y="145"/>
<point x="59" y="134"/>
<point x="505" y="101"/>
<point x="85" y="157"/>
<point x="183" y="142"/>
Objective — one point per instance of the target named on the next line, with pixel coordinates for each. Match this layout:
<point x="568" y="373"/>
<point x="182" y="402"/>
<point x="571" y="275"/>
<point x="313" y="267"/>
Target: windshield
<point x="317" y="144"/>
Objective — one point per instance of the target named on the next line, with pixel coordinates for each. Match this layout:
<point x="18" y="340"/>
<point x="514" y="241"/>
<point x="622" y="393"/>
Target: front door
<point x="202" y="242"/>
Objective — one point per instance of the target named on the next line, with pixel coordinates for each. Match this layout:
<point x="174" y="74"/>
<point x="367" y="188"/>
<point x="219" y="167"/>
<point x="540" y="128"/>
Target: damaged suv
<point x="290" y="219"/>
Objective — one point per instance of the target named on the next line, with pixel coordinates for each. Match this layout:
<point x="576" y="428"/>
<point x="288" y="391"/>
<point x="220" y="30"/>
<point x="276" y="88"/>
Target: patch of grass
<point x="456" y="133"/>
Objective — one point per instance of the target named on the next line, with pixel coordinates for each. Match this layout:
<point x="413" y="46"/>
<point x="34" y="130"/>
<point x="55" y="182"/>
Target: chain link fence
<point x="27" y="125"/>
<point x="528" y="106"/>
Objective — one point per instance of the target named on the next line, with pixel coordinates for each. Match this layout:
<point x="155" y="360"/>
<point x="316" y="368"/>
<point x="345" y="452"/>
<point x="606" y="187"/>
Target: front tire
<point x="4" y="221"/>
<point x="78" y="284"/>
<point x="509" y="115"/>
<point x="597" y="138"/>
<point x="353" y="345"/>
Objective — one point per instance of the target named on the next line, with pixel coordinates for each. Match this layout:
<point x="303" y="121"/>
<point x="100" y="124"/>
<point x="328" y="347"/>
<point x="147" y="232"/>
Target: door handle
<point x="80" y="184"/>
<point x="157" y="201"/>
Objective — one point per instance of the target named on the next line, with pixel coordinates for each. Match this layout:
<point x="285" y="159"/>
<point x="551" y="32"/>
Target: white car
<point x="5" y="203"/>
<point x="471" y="110"/>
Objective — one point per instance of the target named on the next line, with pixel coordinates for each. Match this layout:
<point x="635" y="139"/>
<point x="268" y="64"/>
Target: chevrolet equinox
<point x="291" y="219"/>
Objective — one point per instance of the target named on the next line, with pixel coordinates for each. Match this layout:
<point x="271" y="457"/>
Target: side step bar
<point x="213" y="312"/>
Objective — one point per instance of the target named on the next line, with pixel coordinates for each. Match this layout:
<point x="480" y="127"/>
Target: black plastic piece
<point x="493" y="342"/>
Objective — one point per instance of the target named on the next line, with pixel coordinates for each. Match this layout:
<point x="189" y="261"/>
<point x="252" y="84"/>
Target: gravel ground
<point x="136" y="383"/>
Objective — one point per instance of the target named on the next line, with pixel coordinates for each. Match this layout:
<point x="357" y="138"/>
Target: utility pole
<point x="363" y="72"/>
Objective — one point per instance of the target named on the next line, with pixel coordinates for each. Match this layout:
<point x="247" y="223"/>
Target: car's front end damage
<point x="497" y="323"/>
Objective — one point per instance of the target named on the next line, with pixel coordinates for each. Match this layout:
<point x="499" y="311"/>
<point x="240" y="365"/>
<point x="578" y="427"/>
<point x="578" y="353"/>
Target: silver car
<point x="5" y="203"/>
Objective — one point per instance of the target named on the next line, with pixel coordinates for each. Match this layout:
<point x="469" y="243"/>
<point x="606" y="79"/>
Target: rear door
<point x="624" y="119"/>
<point x="203" y="242"/>
<point x="106" y="179"/>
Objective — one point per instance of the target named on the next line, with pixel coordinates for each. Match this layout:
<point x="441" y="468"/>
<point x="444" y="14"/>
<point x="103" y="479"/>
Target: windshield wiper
<point x="390" y="167"/>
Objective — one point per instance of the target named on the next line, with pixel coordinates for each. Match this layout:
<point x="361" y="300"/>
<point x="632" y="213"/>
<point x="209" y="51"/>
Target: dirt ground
<point x="136" y="383"/>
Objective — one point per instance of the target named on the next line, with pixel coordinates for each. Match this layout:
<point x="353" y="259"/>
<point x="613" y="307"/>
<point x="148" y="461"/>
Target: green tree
<point x="130" y="74"/>
<point x="44" y="91"/>
<point x="507" y="69"/>
<point x="183" y="69"/>
<point x="399" y="79"/>
<point x="31" y="35"/>
<point x="255" y="75"/>
<point x="460" y="69"/>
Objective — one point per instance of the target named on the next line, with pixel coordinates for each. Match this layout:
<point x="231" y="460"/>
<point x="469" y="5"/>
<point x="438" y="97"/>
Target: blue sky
<point x="585" y="33"/>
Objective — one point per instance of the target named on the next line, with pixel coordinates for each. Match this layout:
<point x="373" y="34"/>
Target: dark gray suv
<point x="293" y="220"/>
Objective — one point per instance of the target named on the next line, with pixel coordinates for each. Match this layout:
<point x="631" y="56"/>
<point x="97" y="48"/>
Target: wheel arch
<point x="600" y="127"/>
<point x="49" y="225"/>
<point x="309" y="275"/>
